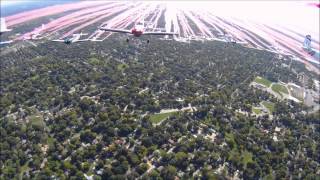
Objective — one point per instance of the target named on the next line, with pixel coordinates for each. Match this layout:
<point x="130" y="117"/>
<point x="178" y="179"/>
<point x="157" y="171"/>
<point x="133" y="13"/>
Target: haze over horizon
<point x="293" y="14"/>
<point x="270" y="25"/>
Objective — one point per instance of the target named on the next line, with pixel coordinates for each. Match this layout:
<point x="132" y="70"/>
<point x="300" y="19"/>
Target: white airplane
<point x="224" y="36"/>
<point x="3" y="29"/>
<point x="3" y="26"/>
<point x="230" y="39"/>
<point x="307" y="45"/>
<point x="95" y="39"/>
<point x="314" y="55"/>
<point x="73" y="39"/>
<point x="36" y="34"/>
<point x="5" y="42"/>
<point x="137" y="31"/>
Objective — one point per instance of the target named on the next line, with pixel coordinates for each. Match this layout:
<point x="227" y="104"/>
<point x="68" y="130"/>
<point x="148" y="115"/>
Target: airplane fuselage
<point x="4" y="31"/>
<point x="75" y="38"/>
<point x="67" y="41"/>
<point x="136" y="33"/>
<point x="137" y="30"/>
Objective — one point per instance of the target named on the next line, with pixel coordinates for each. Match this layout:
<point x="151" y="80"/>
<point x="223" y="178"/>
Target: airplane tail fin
<point x="81" y="34"/>
<point x="307" y="42"/>
<point x="3" y="26"/>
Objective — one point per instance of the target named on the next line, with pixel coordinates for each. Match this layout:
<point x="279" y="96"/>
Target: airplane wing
<point x="115" y="30"/>
<point x="241" y="42"/>
<point x="58" y="40"/>
<point x="159" y="33"/>
<point x="5" y="42"/>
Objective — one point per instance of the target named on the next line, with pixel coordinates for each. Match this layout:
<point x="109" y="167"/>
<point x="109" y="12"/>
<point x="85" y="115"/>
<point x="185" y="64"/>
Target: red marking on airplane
<point x="136" y="32"/>
<point x="314" y="4"/>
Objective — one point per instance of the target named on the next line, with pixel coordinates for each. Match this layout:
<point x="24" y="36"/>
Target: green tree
<point x="168" y="172"/>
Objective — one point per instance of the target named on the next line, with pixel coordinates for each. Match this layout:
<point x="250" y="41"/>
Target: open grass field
<point x="36" y="120"/>
<point x="230" y="138"/>
<point x="122" y="67"/>
<point x="278" y="88"/>
<point x="269" y="106"/>
<point x="256" y="110"/>
<point x="24" y="169"/>
<point x="156" y="118"/>
<point x="94" y="61"/>
<point x="246" y="157"/>
<point x="262" y="81"/>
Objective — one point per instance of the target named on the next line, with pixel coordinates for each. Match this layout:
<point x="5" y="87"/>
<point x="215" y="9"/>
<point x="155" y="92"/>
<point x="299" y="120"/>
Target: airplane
<point x="95" y="39"/>
<point x="313" y="54"/>
<point x="5" y="42"/>
<point x="137" y="31"/>
<point x="73" y="39"/>
<point x="3" y="29"/>
<point x="314" y="4"/>
<point x="307" y="45"/>
<point x="3" y="26"/>
<point x="36" y="34"/>
<point x="224" y="36"/>
<point x="230" y="39"/>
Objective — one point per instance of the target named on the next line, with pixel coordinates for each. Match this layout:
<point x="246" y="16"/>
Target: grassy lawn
<point x="279" y="88"/>
<point x="122" y="67"/>
<point x="234" y="155"/>
<point x="262" y="81"/>
<point x="24" y="169"/>
<point x="36" y="120"/>
<point x="94" y="61"/>
<point x="269" y="106"/>
<point x="246" y="157"/>
<point x="256" y="110"/>
<point x="35" y="77"/>
<point x="156" y="118"/>
<point x="268" y="177"/>
<point x="91" y="169"/>
<point x="50" y="141"/>
<point x="230" y="138"/>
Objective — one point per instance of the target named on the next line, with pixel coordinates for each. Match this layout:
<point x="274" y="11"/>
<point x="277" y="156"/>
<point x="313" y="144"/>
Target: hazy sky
<point x="9" y="2"/>
<point x="292" y="14"/>
<point x="298" y="14"/>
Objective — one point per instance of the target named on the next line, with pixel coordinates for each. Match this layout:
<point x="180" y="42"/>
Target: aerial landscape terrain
<point x="220" y="98"/>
